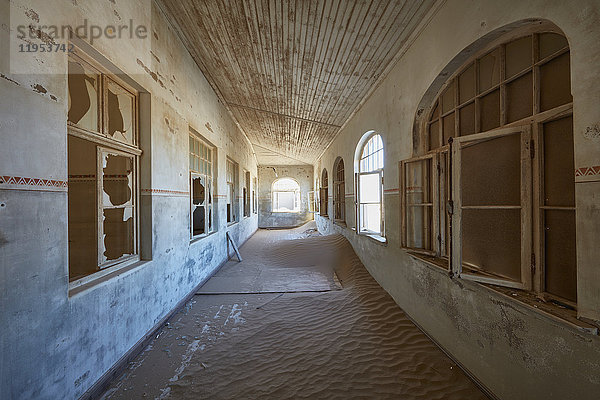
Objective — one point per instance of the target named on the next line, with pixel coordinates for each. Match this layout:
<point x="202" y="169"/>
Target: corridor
<point x="299" y="317"/>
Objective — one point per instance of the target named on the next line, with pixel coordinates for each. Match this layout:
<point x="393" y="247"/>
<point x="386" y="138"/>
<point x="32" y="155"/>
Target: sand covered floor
<point x="299" y="318"/>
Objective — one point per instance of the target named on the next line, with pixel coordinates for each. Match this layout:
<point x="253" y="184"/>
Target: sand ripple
<point x="350" y="343"/>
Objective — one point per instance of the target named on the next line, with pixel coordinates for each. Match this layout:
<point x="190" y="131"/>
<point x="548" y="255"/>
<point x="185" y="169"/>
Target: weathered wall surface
<point x="53" y="345"/>
<point x="515" y="351"/>
<point x="303" y="174"/>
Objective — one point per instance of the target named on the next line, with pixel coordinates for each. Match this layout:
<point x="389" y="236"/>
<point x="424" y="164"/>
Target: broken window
<point x="201" y="186"/>
<point x="286" y="195"/>
<point x="102" y="196"/>
<point x="246" y="194"/>
<point x="339" y="192"/>
<point x="370" y="187"/>
<point x="232" y="175"/>
<point x="497" y="203"/>
<point x="312" y="202"/>
<point x="324" y="194"/>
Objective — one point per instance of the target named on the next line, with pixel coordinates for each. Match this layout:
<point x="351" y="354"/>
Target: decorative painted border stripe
<point x="25" y="183"/>
<point x="391" y="191"/>
<point x="587" y="174"/>
<point x="164" y="192"/>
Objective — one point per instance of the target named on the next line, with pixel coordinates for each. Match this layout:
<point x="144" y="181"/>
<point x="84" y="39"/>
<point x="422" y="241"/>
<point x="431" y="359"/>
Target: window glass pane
<point x="467" y="120"/>
<point x="491" y="172"/>
<point x="436" y="112"/>
<point x="491" y="241"/>
<point x="518" y="56"/>
<point x="489" y="70"/>
<point x="434" y="135"/>
<point x="559" y="167"/>
<point x="284" y="201"/>
<point x="448" y="131"/>
<point x="82" y="217"/>
<point x="83" y="96"/>
<point x="560" y="253"/>
<point x="550" y="43"/>
<point x="490" y="111"/>
<point x="418" y="182"/>
<point x="370" y="217"/>
<point x="466" y="84"/>
<point x="117" y="180"/>
<point x="519" y="98"/>
<point x="555" y="83"/>
<point x="448" y="98"/>
<point x="120" y="107"/>
<point x="418" y="223"/>
<point x="370" y="188"/>
<point x="118" y="232"/>
<point x="198" y="197"/>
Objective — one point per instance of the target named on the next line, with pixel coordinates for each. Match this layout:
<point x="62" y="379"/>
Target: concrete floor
<point x="280" y="324"/>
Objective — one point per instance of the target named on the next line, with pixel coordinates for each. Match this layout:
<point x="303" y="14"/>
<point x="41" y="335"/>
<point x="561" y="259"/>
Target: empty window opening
<point x="370" y="186"/>
<point x="201" y="159"/>
<point x="255" y="195"/>
<point x="286" y="195"/>
<point x="103" y="156"/>
<point x="339" y="192"/>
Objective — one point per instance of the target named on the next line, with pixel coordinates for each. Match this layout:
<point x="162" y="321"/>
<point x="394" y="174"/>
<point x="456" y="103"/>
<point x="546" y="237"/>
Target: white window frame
<point x="209" y="188"/>
<point x="232" y="190"/>
<point x="358" y="175"/>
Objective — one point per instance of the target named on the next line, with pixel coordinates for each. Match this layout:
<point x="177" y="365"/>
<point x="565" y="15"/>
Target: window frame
<point x="324" y="195"/>
<point x="357" y="178"/>
<point x="533" y="265"/>
<point x="104" y="143"/>
<point x="232" y="189"/>
<point x="339" y="192"/>
<point x="209" y="182"/>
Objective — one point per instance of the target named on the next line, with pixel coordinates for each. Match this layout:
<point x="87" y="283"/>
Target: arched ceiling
<point x="292" y="72"/>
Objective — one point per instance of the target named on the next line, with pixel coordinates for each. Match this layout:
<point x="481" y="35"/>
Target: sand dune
<point x="349" y="343"/>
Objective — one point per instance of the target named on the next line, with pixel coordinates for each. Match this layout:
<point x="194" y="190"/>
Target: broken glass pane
<point x="120" y="107"/>
<point x="198" y="190"/>
<point x="550" y="43"/>
<point x="489" y="70"/>
<point x="198" y="221"/>
<point x="117" y="175"/>
<point x="518" y="56"/>
<point x="82" y="214"/>
<point x="118" y="233"/>
<point x="555" y="83"/>
<point x="83" y="96"/>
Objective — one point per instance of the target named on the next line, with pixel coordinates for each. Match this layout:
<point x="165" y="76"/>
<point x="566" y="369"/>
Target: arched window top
<point x="512" y="80"/>
<point x="371" y="154"/>
<point x="285" y="185"/>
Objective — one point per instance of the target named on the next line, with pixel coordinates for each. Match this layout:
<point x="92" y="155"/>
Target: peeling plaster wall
<point x="516" y="352"/>
<point x="303" y="174"/>
<point x="55" y="346"/>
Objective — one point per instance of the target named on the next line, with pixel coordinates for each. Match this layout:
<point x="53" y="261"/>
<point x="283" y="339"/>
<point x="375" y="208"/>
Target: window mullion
<point x="526" y="209"/>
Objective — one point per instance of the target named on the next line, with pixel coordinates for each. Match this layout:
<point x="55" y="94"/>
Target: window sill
<point x="529" y="300"/>
<point x="200" y="237"/>
<point x="286" y="212"/>
<point x="93" y="280"/>
<point x="232" y="223"/>
<point x="382" y="240"/>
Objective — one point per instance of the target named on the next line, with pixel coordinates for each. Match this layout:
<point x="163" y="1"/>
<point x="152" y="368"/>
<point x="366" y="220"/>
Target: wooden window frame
<point x="209" y="187"/>
<point x="532" y="261"/>
<point x="357" y="178"/>
<point x="233" y="187"/>
<point x="339" y="196"/>
<point x="106" y="144"/>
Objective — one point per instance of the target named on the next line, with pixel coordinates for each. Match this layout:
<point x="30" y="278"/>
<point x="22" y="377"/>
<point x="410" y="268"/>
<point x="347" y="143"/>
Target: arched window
<point x="324" y="193"/>
<point x="369" y="199"/>
<point x="339" y="191"/>
<point x="286" y="195"/>
<point x="497" y="147"/>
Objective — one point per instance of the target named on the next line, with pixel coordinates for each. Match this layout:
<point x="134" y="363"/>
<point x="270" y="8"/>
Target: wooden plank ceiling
<point x="292" y="72"/>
